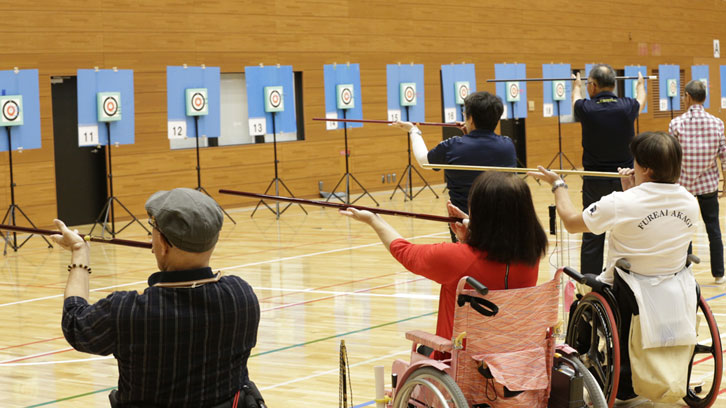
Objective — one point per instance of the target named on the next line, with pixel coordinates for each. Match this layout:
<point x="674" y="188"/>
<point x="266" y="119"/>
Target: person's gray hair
<point x="603" y="75"/>
<point x="697" y="90"/>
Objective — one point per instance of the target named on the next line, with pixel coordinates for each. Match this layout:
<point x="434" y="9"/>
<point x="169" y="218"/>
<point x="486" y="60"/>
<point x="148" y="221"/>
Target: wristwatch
<point x="557" y="184"/>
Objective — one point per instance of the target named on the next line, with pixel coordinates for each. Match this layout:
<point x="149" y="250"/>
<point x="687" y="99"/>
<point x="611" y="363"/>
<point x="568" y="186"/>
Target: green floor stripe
<point x="259" y="354"/>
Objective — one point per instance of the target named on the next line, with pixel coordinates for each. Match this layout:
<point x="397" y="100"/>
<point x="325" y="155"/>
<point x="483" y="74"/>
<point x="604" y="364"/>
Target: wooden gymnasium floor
<point x="320" y="278"/>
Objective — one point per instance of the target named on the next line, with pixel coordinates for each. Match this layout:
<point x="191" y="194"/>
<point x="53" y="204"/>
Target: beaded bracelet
<point x="86" y="267"/>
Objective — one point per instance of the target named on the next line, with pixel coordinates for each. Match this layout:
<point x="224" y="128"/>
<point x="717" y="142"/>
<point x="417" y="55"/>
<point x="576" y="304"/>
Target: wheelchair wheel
<point x="592" y="331"/>
<point x="428" y="387"/>
<point x="704" y="373"/>
<point x="593" y="394"/>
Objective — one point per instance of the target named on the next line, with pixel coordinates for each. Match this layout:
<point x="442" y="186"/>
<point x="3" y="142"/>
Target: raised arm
<point x="570" y="215"/>
<point x="420" y="151"/>
<point x="576" y="90"/>
<point x="640" y="92"/>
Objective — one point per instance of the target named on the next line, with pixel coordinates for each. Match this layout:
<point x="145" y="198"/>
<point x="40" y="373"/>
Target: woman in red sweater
<point x="501" y="243"/>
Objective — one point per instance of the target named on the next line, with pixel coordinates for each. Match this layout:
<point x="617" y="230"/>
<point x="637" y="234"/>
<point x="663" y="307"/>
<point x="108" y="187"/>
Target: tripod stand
<point x="559" y="153"/>
<point x="10" y="213"/>
<point x="409" y="170"/>
<point x="199" y="169"/>
<point x="277" y="182"/>
<point x="348" y="175"/>
<point x="108" y="207"/>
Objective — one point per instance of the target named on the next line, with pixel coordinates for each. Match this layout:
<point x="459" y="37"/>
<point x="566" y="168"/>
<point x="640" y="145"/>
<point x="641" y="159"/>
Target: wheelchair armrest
<point x="430" y="340"/>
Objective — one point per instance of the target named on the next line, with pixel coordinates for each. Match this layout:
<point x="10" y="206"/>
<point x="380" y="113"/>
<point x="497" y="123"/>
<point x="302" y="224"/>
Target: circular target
<point x="347" y="96"/>
<point x="673" y="87"/>
<point x="463" y="91"/>
<point x="409" y="94"/>
<point x="514" y="90"/>
<point x="560" y="90"/>
<point x="275" y="99"/>
<point x="10" y="110"/>
<point x="198" y="102"/>
<point x="110" y="106"/>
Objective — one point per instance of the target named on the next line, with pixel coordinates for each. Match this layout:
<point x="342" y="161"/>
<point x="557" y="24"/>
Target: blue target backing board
<point x="723" y="86"/>
<point x="633" y="70"/>
<point x="700" y="73"/>
<point x="92" y="132"/>
<point x="341" y="74"/>
<point x="451" y="74"/>
<point x="395" y="76"/>
<point x="24" y="83"/>
<point x="550" y="106"/>
<point x="512" y="71"/>
<point x="178" y="80"/>
<point x="257" y="78"/>
<point x="666" y="75"/>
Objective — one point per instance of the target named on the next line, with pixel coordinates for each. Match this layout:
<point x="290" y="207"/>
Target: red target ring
<point x="347" y="96"/>
<point x="110" y="106"/>
<point x="198" y="101"/>
<point x="463" y="92"/>
<point x="275" y="99"/>
<point x="10" y="110"/>
<point x="513" y="90"/>
<point x="409" y="94"/>
<point x="560" y="89"/>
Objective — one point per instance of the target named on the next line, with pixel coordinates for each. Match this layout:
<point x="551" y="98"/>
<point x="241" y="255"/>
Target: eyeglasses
<point x="152" y="222"/>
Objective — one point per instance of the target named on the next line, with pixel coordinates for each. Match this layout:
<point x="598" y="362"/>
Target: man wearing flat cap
<point x="185" y="340"/>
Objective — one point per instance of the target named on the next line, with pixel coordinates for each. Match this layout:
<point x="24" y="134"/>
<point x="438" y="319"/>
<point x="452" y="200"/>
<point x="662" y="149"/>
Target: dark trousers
<point x="593" y="246"/>
<point x="708" y="203"/>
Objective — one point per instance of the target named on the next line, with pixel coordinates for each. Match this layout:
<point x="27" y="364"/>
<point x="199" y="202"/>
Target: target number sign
<point x="723" y="103"/>
<point x="559" y="90"/>
<point x="331" y="125"/>
<point x="450" y="115"/>
<point x="512" y="89"/>
<point x="672" y="88"/>
<point x="408" y="93"/>
<point x="346" y="97"/>
<point x="177" y="129"/>
<point x="108" y="106"/>
<point x="461" y="91"/>
<point x="274" y="101"/>
<point x="548" y="110"/>
<point x="87" y="135"/>
<point x="663" y="104"/>
<point x="11" y="110"/>
<point x="197" y="103"/>
<point x="257" y="126"/>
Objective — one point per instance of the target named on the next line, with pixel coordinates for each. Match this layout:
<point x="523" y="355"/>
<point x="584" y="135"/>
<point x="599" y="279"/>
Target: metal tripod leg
<point x="203" y="190"/>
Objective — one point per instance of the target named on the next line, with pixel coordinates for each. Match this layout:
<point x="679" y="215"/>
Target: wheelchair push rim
<point x="428" y="387"/>
<point x="703" y="353"/>
<point x="602" y="356"/>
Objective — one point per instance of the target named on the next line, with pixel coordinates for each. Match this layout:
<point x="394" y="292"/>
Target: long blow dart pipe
<point x="126" y="242"/>
<point x="340" y="206"/>
<point x="386" y="122"/>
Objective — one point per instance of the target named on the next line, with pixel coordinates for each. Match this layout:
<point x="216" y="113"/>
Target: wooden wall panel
<point x="60" y="36"/>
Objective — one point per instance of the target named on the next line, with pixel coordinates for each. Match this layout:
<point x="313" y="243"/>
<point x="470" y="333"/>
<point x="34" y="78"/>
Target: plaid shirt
<point x="702" y="139"/>
<point x="175" y="346"/>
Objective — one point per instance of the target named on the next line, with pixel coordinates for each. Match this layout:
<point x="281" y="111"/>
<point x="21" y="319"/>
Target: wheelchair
<point x="502" y="354"/>
<point x="596" y="325"/>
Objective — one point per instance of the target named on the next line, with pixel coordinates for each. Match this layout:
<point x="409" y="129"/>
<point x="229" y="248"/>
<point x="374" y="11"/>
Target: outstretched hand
<point x="359" y="215"/>
<point x="544" y="174"/>
<point x="407" y="126"/>
<point x="67" y="239"/>
<point x="460" y="229"/>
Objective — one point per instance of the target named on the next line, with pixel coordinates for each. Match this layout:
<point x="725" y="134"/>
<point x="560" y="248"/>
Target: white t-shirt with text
<point x="650" y="225"/>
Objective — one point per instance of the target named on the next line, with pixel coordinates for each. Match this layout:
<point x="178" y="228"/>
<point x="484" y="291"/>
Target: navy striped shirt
<point x="175" y="346"/>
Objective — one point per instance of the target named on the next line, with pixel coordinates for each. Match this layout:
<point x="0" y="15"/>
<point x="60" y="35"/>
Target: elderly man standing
<point x="184" y="341"/>
<point x="607" y="129"/>
<point x="702" y="139"/>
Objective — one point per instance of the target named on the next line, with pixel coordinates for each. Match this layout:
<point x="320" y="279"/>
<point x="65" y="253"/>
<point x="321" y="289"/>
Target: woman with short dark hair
<point x="501" y="242"/>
